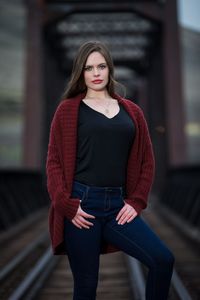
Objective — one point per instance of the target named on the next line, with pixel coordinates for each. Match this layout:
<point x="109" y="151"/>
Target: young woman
<point x="100" y="168"/>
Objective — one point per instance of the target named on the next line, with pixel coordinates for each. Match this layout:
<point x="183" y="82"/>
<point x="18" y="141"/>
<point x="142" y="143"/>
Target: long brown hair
<point x="77" y="85"/>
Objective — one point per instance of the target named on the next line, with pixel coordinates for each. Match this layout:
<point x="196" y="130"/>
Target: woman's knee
<point x="170" y="259"/>
<point x="164" y="259"/>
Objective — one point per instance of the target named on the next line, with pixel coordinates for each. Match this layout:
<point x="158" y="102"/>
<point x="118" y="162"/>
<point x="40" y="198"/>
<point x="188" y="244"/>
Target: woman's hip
<point x="99" y="200"/>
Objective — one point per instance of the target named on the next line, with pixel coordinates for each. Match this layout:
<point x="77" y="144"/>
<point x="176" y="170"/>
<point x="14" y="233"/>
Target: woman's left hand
<point x="126" y="214"/>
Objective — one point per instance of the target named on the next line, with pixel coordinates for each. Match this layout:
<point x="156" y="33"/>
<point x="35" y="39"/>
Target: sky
<point x="188" y="11"/>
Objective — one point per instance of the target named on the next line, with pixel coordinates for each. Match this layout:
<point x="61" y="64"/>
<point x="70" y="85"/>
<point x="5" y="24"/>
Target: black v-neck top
<point x="103" y="147"/>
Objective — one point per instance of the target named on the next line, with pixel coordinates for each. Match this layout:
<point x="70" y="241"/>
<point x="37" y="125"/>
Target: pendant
<point x="106" y="111"/>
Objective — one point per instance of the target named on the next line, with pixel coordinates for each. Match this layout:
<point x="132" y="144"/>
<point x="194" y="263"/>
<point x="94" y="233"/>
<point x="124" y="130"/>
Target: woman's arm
<point x="56" y="185"/>
<point x="138" y="199"/>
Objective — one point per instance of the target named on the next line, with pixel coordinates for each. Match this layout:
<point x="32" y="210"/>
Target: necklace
<point x="105" y="108"/>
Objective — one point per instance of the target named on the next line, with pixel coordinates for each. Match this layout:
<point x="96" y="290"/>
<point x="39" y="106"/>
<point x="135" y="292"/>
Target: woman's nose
<point x="96" y="72"/>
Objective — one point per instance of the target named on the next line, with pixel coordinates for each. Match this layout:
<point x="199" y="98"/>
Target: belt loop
<point x="87" y="190"/>
<point x="121" y="189"/>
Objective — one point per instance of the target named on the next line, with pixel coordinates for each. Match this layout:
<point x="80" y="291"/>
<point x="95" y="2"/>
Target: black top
<point x="103" y="147"/>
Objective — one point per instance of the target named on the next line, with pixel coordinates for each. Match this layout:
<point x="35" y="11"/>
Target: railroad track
<point x="113" y="280"/>
<point x="30" y="271"/>
<point x="21" y="249"/>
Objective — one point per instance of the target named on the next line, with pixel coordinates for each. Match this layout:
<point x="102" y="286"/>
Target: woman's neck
<point x="97" y="95"/>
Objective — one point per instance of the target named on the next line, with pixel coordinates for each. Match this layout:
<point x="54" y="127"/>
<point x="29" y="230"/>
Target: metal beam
<point x="33" y="99"/>
<point x="175" y="119"/>
<point x="148" y="10"/>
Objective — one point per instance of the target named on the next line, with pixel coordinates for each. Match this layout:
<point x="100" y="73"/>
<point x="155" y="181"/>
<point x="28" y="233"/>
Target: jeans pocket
<point x="122" y="199"/>
<point x="82" y="199"/>
<point x="78" y="193"/>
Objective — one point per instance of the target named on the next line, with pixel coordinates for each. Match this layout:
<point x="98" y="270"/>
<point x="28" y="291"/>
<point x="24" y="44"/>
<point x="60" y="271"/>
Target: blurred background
<point x="156" y="51"/>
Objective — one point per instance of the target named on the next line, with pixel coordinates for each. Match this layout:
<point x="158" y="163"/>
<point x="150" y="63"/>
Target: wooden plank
<point x="113" y="280"/>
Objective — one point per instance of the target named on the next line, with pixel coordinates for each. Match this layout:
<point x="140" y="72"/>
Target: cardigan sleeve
<point x="61" y="201"/>
<point x="138" y="199"/>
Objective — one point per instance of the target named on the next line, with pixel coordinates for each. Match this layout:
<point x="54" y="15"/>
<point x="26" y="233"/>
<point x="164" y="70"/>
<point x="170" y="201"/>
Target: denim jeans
<point x="135" y="239"/>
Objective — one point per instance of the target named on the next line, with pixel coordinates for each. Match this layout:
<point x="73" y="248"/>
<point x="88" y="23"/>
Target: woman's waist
<point x="114" y="190"/>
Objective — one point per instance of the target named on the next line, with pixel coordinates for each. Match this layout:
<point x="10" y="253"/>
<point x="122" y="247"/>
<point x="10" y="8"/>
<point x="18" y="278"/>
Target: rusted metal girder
<point x="33" y="96"/>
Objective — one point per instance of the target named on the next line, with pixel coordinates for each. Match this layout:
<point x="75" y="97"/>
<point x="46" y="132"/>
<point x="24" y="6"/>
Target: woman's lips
<point x="97" y="81"/>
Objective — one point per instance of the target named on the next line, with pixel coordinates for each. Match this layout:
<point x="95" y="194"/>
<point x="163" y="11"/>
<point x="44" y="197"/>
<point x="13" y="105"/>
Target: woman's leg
<point x="138" y="240"/>
<point x="83" y="249"/>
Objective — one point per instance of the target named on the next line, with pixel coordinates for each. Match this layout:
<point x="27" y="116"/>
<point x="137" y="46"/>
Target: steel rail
<point x="17" y="228"/>
<point x="33" y="275"/>
<point x="179" y="287"/>
<point x="138" y="282"/>
<point x="38" y="284"/>
<point x="136" y="278"/>
<point x="21" y="256"/>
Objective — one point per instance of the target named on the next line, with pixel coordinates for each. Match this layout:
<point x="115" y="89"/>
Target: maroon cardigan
<point x="61" y="159"/>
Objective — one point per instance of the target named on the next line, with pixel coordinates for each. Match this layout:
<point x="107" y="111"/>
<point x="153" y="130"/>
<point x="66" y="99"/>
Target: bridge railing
<point x="22" y="192"/>
<point x="182" y="194"/>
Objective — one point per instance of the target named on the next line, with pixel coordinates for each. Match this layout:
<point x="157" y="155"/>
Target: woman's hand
<point x="79" y="219"/>
<point x="126" y="214"/>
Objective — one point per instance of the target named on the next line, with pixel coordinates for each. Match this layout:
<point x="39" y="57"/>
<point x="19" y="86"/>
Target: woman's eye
<point x="102" y="67"/>
<point x="88" y="68"/>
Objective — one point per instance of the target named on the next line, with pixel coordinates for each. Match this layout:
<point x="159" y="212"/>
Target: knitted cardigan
<point x="60" y="167"/>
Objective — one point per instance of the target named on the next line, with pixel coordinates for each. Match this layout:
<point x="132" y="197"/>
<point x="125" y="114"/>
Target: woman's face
<point x="96" y="72"/>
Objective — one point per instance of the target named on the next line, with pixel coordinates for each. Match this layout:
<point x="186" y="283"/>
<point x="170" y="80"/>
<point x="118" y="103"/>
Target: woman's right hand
<point x="80" y="221"/>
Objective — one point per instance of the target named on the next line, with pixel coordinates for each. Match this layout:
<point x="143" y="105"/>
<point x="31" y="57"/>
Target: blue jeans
<point x="135" y="239"/>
